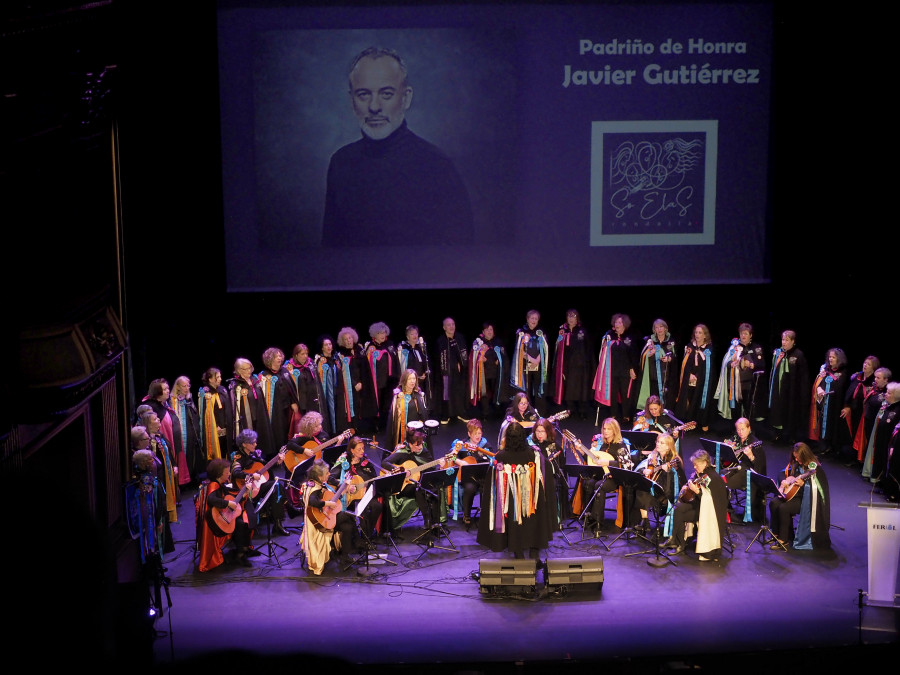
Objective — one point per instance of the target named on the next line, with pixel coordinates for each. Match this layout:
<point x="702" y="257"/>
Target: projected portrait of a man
<point x="391" y="186"/>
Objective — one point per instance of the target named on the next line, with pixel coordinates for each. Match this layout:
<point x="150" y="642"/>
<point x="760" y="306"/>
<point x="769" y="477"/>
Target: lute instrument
<point x="594" y="457"/>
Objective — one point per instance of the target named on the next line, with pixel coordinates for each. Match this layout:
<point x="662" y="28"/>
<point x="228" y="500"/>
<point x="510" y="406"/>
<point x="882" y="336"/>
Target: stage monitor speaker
<point x="494" y="573"/>
<point x="585" y="573"/>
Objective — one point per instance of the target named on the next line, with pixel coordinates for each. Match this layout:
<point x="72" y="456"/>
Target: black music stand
<point x="432" y="482"/>
<point x="641" y="441"/>
<point x="724" y="451"/>
<point x="661" y="558"/>
<point x="769" y="488"/>
<point x="598" y="474"/>
<point x="370" y="546"/>
<point x="270" y="545"/>
<point x="385" y="486"/>
<point x="330" y="455"/>
<point x="476" y="472"/>
<point x="629" y="481"/>
<point x="561" y="479"/>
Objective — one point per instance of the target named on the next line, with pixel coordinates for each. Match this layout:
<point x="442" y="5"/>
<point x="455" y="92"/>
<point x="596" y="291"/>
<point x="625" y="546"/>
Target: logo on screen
<point x="653" y="183"/>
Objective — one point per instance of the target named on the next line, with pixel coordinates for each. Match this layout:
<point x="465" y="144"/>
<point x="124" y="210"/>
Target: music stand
<point x="370" y="546"/>
<point x="768" y="487"/>
<point x="432" y="482"/>
<point x="721" y="452"/>
<point x="642" y="441"/>
<point x="598" y="474"/>
<point x="330" y="455"/>
<point x="271" y="545"/>
<point x="629" y="481"/>
<point x="561" y="479"/>
<point x="656" y="490"/>
<point x="474" y="471"/>
<point x="385" y="486"/>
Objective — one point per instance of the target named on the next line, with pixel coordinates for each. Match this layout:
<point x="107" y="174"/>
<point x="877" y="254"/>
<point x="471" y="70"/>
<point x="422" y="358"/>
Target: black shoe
<point x="278" y="528"/>
<point x="676" y="550"/>
<point x="253" y="553"/>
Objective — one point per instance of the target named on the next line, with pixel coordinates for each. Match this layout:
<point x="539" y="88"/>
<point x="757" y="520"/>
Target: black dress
<point x="516" y="514"/>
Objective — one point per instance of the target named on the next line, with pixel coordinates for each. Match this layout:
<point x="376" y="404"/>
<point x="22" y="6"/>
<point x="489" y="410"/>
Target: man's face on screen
<point x="379" y="96"/>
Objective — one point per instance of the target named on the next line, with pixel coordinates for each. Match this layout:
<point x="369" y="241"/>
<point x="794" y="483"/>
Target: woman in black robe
<point x="516" y="514"/>
<point x="697" y="388"/>
<point x="828" y="392"/>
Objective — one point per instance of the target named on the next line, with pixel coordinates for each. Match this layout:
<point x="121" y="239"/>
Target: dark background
<point x="150" y="223"/>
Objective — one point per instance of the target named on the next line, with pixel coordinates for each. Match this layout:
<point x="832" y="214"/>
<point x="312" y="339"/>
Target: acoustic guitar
<point x="326" y="517"/>
<point x="225" y="518"/>
<point x="415" y="469"/>
<point x="687" y="495"/>
<point x="790" y="486"/>
<point x="293" y="458"/>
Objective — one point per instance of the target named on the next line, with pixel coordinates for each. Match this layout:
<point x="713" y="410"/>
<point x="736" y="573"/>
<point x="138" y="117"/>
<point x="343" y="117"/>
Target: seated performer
<point x="654" y="418"/>
<point x="354" y="466"/>
<point x="408" y="457"/>
<point x="749" y="457"/>
<point x="703" y="501"/>
<point x="607" y="449"/>
<point x="516" y="512"/>
<point x="666" y="468"/>
<point x="806" y="489"/>
<point x="519" y="411"/>
<point x="247" y="460"/>
<point x="467" y="454"/>
<point x="211" y="538"/>
<point x="319" y="507"/>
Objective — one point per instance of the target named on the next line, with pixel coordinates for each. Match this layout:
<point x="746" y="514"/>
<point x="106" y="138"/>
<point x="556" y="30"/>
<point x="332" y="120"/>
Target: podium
<point x="883" y="527"/>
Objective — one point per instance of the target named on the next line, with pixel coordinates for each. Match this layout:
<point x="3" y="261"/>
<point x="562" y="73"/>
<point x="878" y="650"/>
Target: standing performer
<point x="705" y="505"/>
<point x="166" y="475"/>
<point x="453" y="357"/>
<point x="868" y="401"/>
<point x="571" y="366"/>
<point x="828" y="392"/>
<point x="516" y="514"/>
<point x="381" y="374"/>
<point x="788" y="390"/>
<point x="743" y="367"/>
<point x="528" y="369"/>
<point x="854" y="400"/>
<point x="658" y="373"/>
<point x="488" y="366"/>
<point x="413" y="356"/>
<point x="616" y="376"/>
<point x="188" y="421"/>
<point x="158" y="399"/>
<point x="695" y="392"/>
<point x="248" y="404"/>
<point x="216" y="416"/>
<point x="813" y="504"/>
<point x="280" y="398"/>
<point x="875" y="464"/>
<point x="407" y="405"/>
<point x="334" y="403"/>
<point x="353" y="369"/>
<point x="303" y="375"/>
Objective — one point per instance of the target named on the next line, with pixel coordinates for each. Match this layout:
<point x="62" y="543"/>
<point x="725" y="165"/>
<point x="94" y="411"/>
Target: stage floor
<point x="755" y="609"/>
